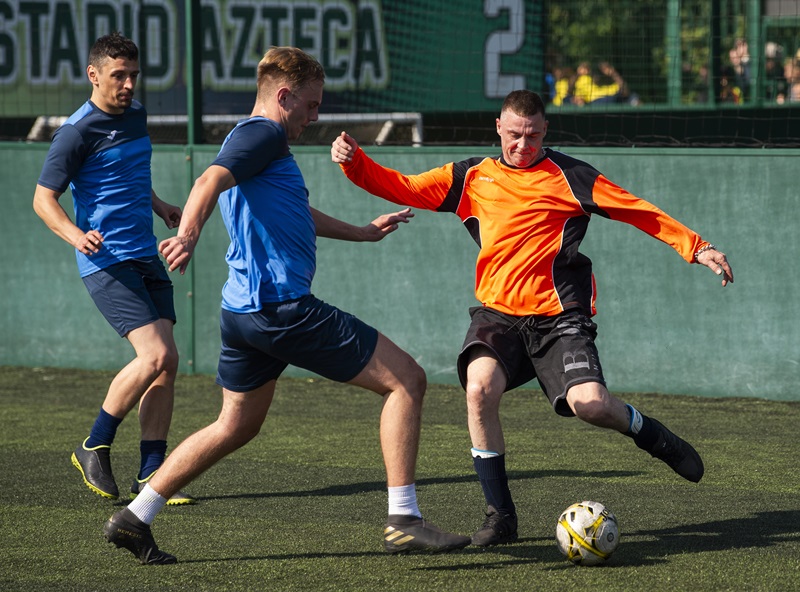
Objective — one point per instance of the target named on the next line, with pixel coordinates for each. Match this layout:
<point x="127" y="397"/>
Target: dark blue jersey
<point x="105" y="160"/>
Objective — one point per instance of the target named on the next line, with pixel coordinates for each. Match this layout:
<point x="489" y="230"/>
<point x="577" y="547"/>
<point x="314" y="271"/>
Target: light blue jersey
<point x="105" y="160"/>
<point x="272" y="256"/>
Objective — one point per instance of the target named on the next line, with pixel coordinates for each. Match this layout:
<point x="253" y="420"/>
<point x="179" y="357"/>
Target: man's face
<point x="521" y="137"/>
<point x="301" y="107"/>
<point x="114" y="81"/>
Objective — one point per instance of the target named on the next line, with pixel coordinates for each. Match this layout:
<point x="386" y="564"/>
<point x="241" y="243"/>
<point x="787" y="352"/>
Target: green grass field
<point x="303" y="505"/>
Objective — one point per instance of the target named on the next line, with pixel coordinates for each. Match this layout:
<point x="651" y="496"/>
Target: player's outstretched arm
<point x="716" y="262"/>
<point x="329" y="227"/>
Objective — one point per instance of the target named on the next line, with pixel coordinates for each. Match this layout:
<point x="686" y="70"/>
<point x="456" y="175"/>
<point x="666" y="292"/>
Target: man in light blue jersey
<point x="102" y="153"/>
<point x="271" y="319"/>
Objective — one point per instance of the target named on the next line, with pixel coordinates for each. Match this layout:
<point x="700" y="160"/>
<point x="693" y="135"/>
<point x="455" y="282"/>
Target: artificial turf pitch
<point x="302" y="506"/>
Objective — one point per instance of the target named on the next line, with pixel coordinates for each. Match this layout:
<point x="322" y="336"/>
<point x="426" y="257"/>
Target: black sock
<point x="646" y="438"/>
<point x="641" y="429"/>
<point x="494" y="481"/>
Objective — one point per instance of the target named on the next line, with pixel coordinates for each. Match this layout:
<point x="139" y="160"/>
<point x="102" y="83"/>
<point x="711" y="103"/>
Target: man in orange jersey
<point x="528" y="210"/>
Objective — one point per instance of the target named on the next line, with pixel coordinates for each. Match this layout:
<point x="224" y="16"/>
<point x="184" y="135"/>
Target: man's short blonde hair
<point x="288" y="66"/>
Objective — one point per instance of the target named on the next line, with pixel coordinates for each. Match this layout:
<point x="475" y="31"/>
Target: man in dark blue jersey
<point x="102" y="153"/>
<point x="271" y="319"/>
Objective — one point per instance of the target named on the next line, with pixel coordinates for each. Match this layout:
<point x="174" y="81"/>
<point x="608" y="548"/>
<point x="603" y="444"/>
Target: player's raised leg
<point x="592" y="403"/>
<point x="393" y="374"/>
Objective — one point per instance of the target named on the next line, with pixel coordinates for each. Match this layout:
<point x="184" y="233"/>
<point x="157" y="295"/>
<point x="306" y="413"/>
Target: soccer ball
<point x="587" y="533"/>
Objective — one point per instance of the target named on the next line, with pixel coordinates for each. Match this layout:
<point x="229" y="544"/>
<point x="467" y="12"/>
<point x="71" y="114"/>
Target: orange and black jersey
<point x="529" y="223"/>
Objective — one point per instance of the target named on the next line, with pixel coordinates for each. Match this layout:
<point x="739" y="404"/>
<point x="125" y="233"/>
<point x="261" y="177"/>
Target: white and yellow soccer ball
<point x="587" y="533"/>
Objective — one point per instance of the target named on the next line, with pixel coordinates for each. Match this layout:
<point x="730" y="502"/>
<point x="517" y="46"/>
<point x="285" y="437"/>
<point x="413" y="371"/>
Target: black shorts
<point x="307" y="333"/>
<point x="558" y="351"/>
<point x="132" y="294"/>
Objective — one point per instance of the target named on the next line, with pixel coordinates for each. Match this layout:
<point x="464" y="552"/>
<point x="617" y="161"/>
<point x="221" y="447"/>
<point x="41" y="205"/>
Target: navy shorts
<point x="307" y="333"/>
<point x="132" y="294"/>
<point x="558" y="351"/>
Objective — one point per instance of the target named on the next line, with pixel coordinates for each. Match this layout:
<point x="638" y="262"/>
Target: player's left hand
<point x="170" y="214"/>
<point x="386" y="224"/>
<point x="718" y="263"/>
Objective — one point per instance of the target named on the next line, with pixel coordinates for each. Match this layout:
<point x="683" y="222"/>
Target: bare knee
<point x="246" y="433"/>
<point x="481" y="398"/>
<point x="243" y="414"/>
<point x="392" y="370"/>
<point x="239" y="432"/>
<point x="593" y="411"/>
<point x="162" y="360"/>
<point x="593" y="404"/>
<point x="415" y="382"/>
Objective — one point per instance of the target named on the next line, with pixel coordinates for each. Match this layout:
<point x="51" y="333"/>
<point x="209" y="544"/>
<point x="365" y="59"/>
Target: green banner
<point x="414" y="55"/>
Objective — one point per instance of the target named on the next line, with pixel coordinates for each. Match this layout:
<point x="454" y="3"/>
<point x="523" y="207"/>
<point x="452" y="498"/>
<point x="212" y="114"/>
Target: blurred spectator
<point x="791" y="71"/>
<point x="775" y="84"/>
<point x="607" y="87"/>
<point x="550" y="83"/>
<point x="624" y="95"/>
<point x="740" y="66"/>
<point x="587" y="90"/>
<point x="729" y="92"/>
<point x="563" y="82"/>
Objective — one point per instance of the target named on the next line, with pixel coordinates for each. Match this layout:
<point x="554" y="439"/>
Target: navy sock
<point x="104" y="430"/>
<point x="153" y="454"/>
<point x="494" y="481"/>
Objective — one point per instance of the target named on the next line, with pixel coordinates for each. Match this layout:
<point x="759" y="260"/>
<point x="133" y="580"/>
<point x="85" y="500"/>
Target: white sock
<point x="403" y="500"/>
<point x="147" y="504"/>
<point x="478" y="453"/>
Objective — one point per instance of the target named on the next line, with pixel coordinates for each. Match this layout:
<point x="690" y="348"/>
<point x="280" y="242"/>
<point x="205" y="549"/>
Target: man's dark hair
<point x="112" y="46"/>
<point x="523" y="102"/>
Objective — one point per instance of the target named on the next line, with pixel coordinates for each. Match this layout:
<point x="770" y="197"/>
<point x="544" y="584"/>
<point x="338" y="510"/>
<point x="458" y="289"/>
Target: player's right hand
<point x="177" y="251"/>
<point x="343" y="148"/>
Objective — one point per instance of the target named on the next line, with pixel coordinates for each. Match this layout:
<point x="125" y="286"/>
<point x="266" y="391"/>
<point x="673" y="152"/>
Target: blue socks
<point x="153" y="453"/>
<point x="103" y="431"/>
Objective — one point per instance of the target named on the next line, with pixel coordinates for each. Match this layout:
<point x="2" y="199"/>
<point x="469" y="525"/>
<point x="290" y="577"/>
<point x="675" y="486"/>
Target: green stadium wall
<point x="664" y="325"/>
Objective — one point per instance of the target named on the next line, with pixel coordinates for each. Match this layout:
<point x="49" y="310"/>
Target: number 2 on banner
<point x="497" y="85"/>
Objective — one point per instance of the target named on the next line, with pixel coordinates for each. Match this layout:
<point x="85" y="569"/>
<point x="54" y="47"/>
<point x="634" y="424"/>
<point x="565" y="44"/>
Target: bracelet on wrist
<point x="708" y="247"/>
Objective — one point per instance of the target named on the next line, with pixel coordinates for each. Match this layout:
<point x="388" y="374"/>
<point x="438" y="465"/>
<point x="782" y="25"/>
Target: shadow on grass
<point x="761" y="530"/>
<point x="371" y="486"/>
<point x="285" y="557"/>
<point x="469" y="551"/>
